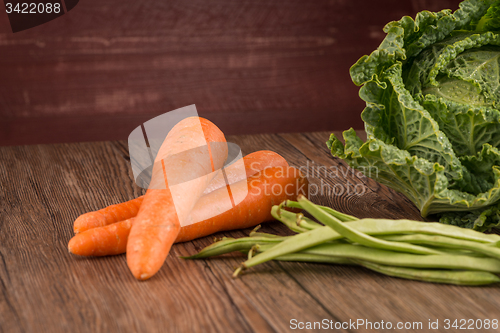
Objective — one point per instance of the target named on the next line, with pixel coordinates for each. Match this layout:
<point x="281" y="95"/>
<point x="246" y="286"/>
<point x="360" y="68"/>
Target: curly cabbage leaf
<point x="432" y="115"/>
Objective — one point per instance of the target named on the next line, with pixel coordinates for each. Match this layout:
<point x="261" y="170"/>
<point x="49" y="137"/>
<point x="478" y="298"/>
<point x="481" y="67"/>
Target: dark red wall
<point x="251" y="66"/>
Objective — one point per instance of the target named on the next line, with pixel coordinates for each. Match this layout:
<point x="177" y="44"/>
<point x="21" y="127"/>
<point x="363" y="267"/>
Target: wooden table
<point x="45" y="289"/>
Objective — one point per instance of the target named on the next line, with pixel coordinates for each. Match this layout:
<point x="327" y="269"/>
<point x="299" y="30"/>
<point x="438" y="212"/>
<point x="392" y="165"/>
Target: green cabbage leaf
<point x="432" y="115"/>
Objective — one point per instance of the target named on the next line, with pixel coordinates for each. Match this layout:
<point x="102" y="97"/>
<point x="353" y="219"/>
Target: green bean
<point x="369" y="226"/>
<point x="386" y="257"/>
<point x="435" y="228"/>
<point x="263" y="234"/>
<point x="496" y="244"/>
<point x="287" y="218"/>
<point x="294" y="244"/>
<point x="390" y="258"/>
<point x="300" y="220"/>
<point x="430" y="275"/>
<point x="256" y="233"/>
<point x="266" y="247"/>
<point x="439" y="276"/>
<point x="448" y="250"/>
<point x="448" y="242"/>
<point x="252" y="251"/>
<point x="358" y="236"/>
<point x="403" y="226"/>
<point x="339" y="215"/>
<point x="307" y="223"/>
<point x="227" y="245"/>
<point x="305" y="257"/>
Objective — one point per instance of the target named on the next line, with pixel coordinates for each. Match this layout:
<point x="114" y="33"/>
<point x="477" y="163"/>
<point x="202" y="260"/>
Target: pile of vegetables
<point x="415" y="250"/>
<point x="432" y="116"/>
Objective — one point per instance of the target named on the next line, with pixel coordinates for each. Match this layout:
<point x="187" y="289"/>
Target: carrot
<point x="102" y="241"/>
<point x="188" y="169"/>
<point x="268" y="188"/>
<point x="253" y="163"/>
<point x="265" y="189"/>
<point x="108" y="215"/>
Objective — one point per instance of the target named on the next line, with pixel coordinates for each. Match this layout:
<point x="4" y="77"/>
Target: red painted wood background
<point x="251" y="66"/>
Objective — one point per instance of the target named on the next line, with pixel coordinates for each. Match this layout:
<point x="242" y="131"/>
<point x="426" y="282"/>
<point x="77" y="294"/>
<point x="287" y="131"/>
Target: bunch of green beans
<point x="424" y="251"/>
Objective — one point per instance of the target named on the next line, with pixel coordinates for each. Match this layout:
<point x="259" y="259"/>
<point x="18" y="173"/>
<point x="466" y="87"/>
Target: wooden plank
<point x="250" y="66"/>
<point x="43" y="288"/>
<point x="46" y="193"/>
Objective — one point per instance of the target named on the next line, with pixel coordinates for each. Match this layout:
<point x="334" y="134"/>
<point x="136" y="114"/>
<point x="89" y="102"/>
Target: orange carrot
<point x="268" y="188"/>
<point x="188" y="169"/>
<point x="102" y="241"/>
<point x="253" y="162"/>
<point x="265" y="189"/>
<point x="108" y="215"/>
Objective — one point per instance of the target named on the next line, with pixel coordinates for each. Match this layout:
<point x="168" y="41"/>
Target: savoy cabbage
<point x="432" y="116"/>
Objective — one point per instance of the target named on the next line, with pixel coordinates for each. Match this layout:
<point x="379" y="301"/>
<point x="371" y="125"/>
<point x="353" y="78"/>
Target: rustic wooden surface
<point x="251" y="66"/>
<point x="43" y="288"/>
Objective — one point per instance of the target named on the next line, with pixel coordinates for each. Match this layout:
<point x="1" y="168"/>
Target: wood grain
<point x="45" y="289"/>
<point x="251" y="66"/>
